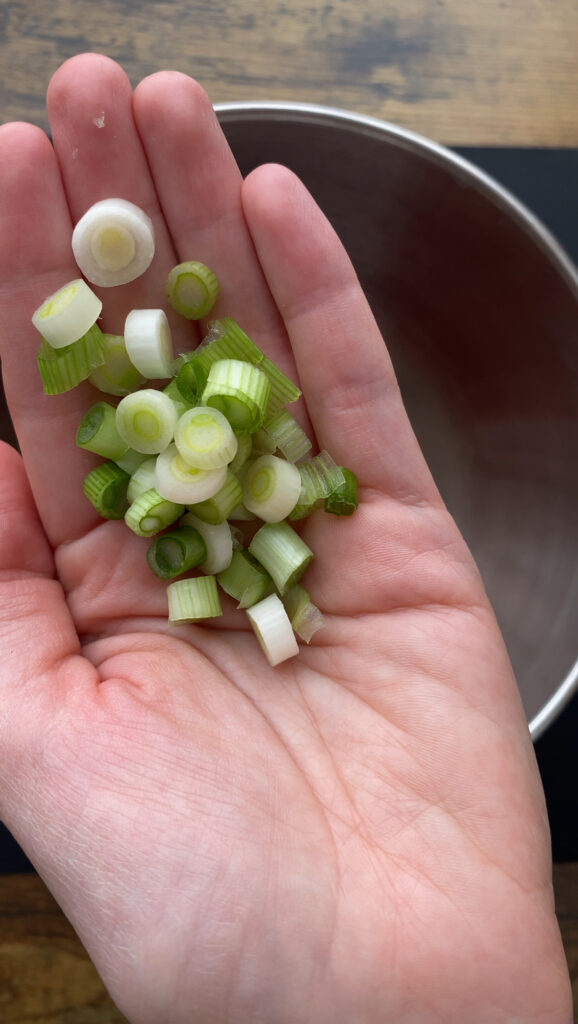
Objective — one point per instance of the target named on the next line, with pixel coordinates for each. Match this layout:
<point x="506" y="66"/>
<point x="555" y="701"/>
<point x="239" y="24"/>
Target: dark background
<point x="546" y="181"/>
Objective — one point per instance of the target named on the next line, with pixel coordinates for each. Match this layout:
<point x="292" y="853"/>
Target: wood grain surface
<point x="47" y="978"/>
<point x="460" y="71"/>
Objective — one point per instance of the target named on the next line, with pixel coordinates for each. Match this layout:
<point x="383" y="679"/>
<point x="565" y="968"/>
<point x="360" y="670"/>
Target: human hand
<point x="356" y="836"/>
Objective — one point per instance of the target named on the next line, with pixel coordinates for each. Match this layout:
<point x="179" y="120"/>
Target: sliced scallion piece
<point x="244" y="579"/>
<point x="240" y="391"/>
<point x="273" y="629"/>
<point x="218" y="539"/>
<point x="68" y="314"/>
<point x="319" y="477"/>
<point x="180" y="402"/>
<point x="61" y="369"/>
<point x="113" y="242"/>
<point x="193" y="599"/>
<point x="287" y="435"/>
<point x="146" y="420"/>
<point x="263" y="443"/>
<point x="226" y="340"/>
<point x="143" y="478"/>
<point x="173" y="553"/>
<point x="131" y="461"/>
<point x="106" y="488"/>
<point x="191" y="376"/>
<point x="282" y="552"/>
<point x="271" y="486"/>
<point x="205" y="438"/>
<point x="178" y="481"/>
<point x="244" y="447"/>
<point x="117" y="375"/>
<point x="148" y="341"/>
<point x="192" y="289"/>
<point x="305" y="617"/>
<point x="342" y="500"/>
<point x="151" y="513"/>
<point x="219" y="506"/>
<point x="97" y="432"/>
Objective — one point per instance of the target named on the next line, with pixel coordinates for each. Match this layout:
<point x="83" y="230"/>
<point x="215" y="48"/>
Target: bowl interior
<point x="480" y="312"/>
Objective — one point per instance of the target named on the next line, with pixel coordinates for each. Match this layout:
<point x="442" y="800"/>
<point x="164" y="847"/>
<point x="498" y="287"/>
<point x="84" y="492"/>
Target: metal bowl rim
<point x="527" y="220"/>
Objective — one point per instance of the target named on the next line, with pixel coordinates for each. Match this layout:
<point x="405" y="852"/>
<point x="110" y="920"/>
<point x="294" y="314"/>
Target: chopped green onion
<point x="219" y="506"/>
<point x="68" y="314"/>
<point x="174" y="553"/>
<point x="240" y="391"/>
<point x="342" y="500"/>
<point x="244" y="579"/>
<point x="319" y="477"/>
<point x="263" y="444"/>
<point x="131" y="460"/>
<point x="177" y="480"/>
<point x="148" y="341"/>
<point x="305" y="617"/>
<point x="143" y="478"/>
<point x="287" y="435"/>
<point x="113" y="242"/>
<point x="61" y="369"/>
<point x="151" y="513"/>
<point x="273" y="630"/>
<point x="271" y="486"/>
<point x="192" y="289"/>
<point x="180" y="402"/>
<point x="146" y="420"/>
<point x="244" y="447"/>
<point x="191" y="376"/>
<point x="218" y="539"/>
<point x="117" y="375"/>
<point x="282" y="553"/>
<point x="193" y="599"/>
<point x="97" y="432"/>
<point x="205" y="438"/>
<point x="106" y="488"/>
<point x="226" y="340"/>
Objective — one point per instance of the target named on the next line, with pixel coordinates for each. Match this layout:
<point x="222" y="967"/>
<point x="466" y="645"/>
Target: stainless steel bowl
<point x="479" y="307"/>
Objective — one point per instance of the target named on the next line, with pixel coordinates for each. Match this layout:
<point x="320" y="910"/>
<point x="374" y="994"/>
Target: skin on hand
<point x="358" y="835"/>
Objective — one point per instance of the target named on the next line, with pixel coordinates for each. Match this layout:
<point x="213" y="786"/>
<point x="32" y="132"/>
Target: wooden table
<point x="469" y="72"/>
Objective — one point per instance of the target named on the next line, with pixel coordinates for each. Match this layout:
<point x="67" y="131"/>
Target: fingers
<point x="36" y="260"/>
<point x="89" y="102"/>
<point x="344" y="368"/>
<point x="199" y="185"/>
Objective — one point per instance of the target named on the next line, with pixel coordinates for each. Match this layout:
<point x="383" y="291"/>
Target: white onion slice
<point x="113" y="242"/>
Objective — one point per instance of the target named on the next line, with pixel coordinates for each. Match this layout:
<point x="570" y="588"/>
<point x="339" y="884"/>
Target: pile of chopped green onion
<point x="192" y="446"/>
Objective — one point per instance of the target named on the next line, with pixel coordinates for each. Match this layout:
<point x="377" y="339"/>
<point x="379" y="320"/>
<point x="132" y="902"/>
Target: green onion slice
<point x="106" y="488"/>
<point x="113" y="242"/>
<point x="343" y="500"/>
<point x="192" y="289"/>
<point x="68" y="314"/>
<point x="97" y="432"/>
<point x="178" y="481"/>
<point x="320" y="476"/>
<point x="143" y="478"/>
<point x="173" y="553"/>
<point x="146" y="420"/>
<point x="117" y="375"/>
<point x="287" y="436"/>
<point x="151" y="513"/>
<point x="205" y="438"/>
<point x="273" y="629"/>
<point x="244" y="579"/>
<point x="148" y="341"/>
<point x="219" y="506"/>
<point x="218" y="539"/>
<point x="271" y="486"/>
<point x="240" y="391"/>
<point x="305" y="617"/>
<point x="282" y="552"/>
<point x="61" y="369"/>
<point x="193" y="599"/>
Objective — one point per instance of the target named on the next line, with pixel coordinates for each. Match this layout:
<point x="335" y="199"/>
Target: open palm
<point x="355" y="836"/>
